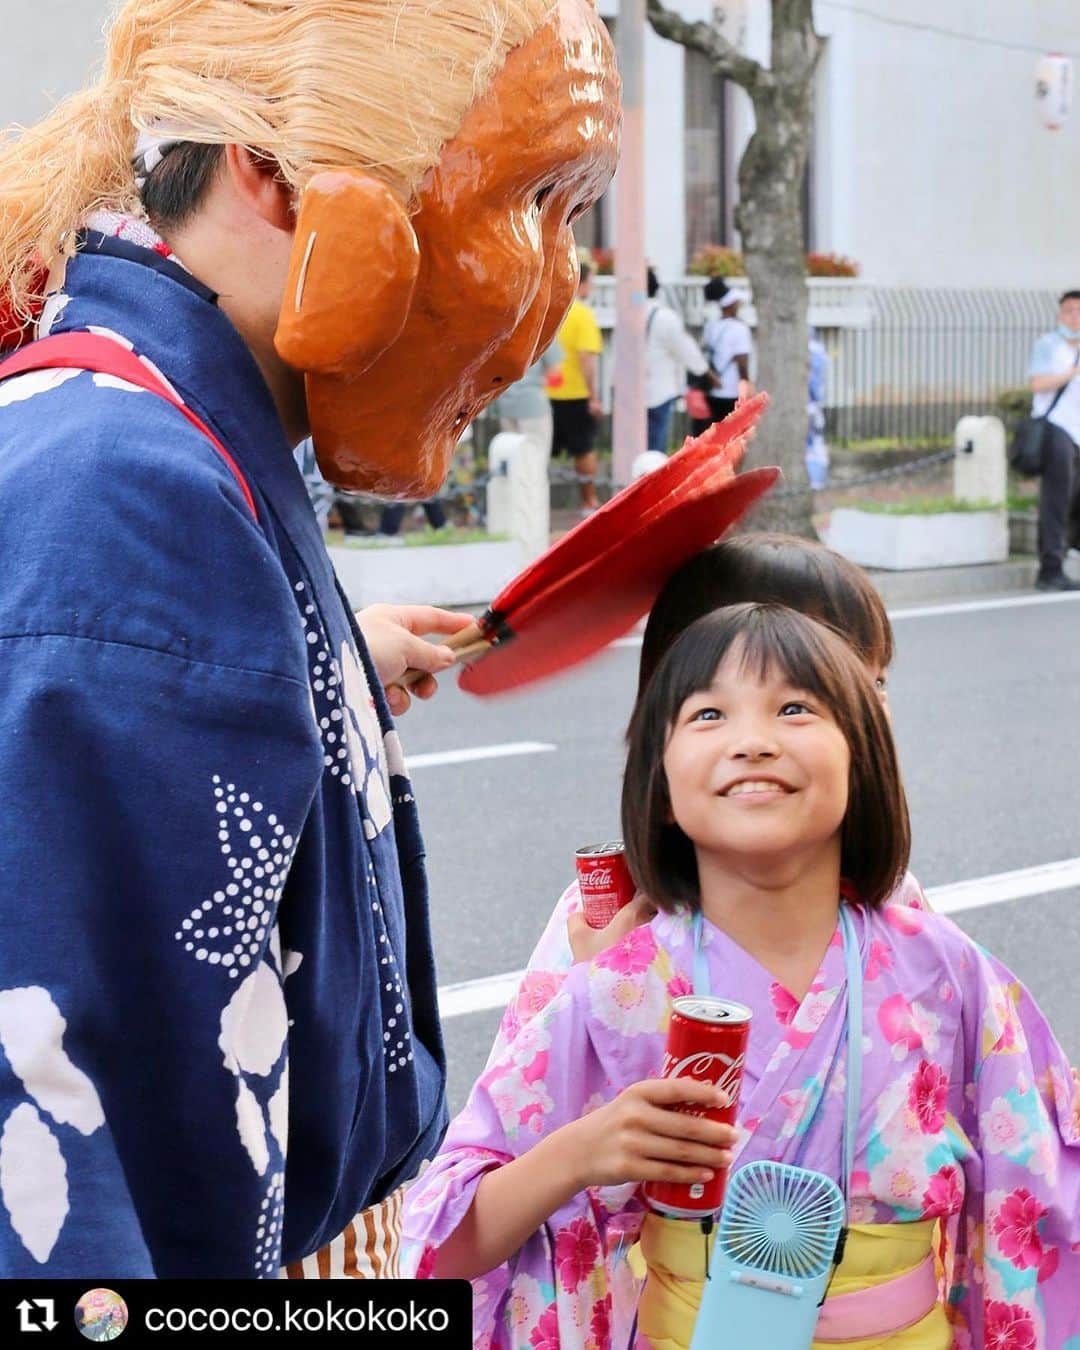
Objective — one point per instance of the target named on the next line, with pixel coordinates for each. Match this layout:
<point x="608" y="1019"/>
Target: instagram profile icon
<point x="101" y="1315"/>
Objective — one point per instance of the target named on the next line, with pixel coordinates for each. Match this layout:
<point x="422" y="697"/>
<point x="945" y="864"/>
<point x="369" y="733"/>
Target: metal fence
<point x="926" y="358"/>
<point x="906" y="363"/>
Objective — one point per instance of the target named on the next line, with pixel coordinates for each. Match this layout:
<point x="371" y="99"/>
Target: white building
<point x="930" y="167"/>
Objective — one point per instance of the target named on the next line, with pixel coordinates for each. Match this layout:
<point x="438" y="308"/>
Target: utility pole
<point x="628" y="423"/>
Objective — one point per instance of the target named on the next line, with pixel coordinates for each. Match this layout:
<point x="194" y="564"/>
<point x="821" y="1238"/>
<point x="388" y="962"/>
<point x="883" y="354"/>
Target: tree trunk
<point x="769" y="218"/>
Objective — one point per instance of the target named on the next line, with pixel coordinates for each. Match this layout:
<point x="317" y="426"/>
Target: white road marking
<point x="976" y="606"/>
<point x="495" y="991"/>
<point x="491" y="991"/>
<point x="477" y="752"/>
<point x="932" y="611"/>
<point x="1005" y="886"/>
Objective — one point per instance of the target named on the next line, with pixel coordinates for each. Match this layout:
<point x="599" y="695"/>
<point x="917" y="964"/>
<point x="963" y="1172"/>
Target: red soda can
<point x="706" y="1041"/>
<point x="604" y="881"/>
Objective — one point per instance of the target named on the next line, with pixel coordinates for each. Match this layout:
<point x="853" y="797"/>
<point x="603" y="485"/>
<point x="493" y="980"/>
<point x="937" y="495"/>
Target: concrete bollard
<point x="519" y="494"/>
<point x="980" y="468"/>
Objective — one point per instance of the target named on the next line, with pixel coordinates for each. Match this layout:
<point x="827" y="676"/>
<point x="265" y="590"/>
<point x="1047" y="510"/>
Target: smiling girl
<point x="764" y="815"/>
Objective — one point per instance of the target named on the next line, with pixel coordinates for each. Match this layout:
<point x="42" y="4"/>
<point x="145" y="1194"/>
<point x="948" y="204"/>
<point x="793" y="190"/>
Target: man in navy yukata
<point x="220" y="1043"/>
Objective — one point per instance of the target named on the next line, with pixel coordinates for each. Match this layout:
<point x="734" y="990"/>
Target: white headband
<point x="151" y="147"/>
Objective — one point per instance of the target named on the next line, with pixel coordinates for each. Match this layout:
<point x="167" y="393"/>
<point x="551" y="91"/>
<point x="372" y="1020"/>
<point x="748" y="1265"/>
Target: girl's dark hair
<point x="876" y="836"/>
<point x="771" y="569"/>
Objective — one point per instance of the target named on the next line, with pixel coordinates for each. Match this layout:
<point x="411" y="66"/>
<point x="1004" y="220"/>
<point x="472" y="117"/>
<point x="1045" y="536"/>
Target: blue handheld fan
<point x="774" y="1253"/>
<point x="782" y="1228"/>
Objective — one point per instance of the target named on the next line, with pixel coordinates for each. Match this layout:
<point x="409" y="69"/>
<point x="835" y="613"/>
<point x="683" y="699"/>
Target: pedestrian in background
<point x="1055" y="364"/>
<point x="525" y="408"/>
<point x="817" y="452"/>
<point x="393" y="513"/>
<point x="320" y="492"/>
<point x="574" y="390"/>
<point x="670" y="352"/>
<point x="728" y="345"/>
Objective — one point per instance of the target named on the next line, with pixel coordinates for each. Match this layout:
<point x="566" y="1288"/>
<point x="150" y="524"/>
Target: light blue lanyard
<point x="853" y="962"/>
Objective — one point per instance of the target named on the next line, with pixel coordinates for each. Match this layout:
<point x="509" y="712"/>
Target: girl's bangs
<point x="765" y="639"/>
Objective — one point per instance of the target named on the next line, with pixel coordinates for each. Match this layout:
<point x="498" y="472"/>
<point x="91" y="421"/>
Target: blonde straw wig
<point x="316" y="84"/>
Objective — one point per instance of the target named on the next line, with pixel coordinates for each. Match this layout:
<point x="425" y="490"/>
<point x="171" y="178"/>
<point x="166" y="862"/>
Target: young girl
<point x="757" y="567"/>
<point x="762" y="794"/>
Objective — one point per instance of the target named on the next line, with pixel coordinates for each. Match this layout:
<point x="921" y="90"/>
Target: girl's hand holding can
<point x="649" y="1134"/>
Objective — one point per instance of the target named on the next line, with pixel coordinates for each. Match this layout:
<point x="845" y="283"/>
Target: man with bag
<point x="1055" y="365"/>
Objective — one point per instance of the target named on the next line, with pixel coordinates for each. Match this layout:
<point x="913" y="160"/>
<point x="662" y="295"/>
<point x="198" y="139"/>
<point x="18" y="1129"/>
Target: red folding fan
<point x="596" y="582"/>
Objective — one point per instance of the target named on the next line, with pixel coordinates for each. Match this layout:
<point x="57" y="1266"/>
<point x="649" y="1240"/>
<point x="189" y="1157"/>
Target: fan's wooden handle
<point x="468" y="643"/>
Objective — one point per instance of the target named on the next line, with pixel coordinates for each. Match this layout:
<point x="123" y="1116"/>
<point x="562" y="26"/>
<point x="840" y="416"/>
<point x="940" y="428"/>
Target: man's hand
<point x="641" y="1137"/>
<point x="586" y="942"/>
<point x="596" y="408"/>
<point x="392" y="633"/>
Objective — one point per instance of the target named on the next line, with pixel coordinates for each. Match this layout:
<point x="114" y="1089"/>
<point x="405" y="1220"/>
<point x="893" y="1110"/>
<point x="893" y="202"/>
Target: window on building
<point x="705" y="154"/>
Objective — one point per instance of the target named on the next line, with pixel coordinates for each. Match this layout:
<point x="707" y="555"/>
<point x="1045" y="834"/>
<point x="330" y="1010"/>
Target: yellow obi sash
<point x="674" y="1255"/>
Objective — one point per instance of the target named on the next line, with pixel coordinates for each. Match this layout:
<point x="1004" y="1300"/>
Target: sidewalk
<point x="467" y="576"/>
<point x="899" y="589"/>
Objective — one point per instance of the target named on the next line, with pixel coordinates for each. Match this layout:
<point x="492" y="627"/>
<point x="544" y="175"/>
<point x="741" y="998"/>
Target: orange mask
<point x="406" y="327"/>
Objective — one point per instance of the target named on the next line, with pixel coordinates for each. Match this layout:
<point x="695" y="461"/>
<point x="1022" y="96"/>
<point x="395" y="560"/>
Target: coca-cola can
<point x="706" y="1041"/>
<point x="604" y="881"/>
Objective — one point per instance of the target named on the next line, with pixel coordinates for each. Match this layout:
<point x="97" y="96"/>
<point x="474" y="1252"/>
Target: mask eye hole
<point x="542" y="196"/>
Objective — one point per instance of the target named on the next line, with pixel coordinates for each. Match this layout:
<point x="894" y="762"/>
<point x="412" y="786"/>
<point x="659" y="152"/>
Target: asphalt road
<point x="986" y="706"/>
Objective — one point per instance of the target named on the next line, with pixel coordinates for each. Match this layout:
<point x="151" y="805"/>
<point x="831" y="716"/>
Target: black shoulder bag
<point x="1026" y="450"/>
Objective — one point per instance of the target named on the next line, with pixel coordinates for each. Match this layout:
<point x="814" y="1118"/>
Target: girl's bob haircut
<point x="876" y="836"/>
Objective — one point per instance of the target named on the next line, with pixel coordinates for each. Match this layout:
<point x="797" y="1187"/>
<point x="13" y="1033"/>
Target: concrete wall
<point x="933" y="168"/>
<point x="49" y="49"/>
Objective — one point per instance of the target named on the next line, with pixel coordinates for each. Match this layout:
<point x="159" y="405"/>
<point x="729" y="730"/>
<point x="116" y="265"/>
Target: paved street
<point x="986" y="703"/>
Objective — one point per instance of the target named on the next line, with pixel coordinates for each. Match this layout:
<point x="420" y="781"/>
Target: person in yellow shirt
<point x="574" y="389"/>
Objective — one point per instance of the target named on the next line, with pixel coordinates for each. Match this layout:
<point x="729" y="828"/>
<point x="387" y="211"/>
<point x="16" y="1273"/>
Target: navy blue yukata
<point x="218" y="1023"/>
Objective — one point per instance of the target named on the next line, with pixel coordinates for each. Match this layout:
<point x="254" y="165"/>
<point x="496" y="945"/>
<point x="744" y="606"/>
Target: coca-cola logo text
<point x="599" y="879"/>
<point x="708" y="1066"/>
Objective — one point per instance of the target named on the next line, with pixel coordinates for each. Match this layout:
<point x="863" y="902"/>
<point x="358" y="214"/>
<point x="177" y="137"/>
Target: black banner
<point x="219" y="1312"/>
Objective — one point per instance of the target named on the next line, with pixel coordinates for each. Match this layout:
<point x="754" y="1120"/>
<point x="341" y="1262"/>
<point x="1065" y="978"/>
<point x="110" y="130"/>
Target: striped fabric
<point x="368" y="1249"/>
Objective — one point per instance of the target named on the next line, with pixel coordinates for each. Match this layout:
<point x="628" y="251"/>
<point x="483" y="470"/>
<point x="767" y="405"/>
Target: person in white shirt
<point x="670" y="352"/>
<point x="728" y="345"/>
<point x="1054" y="380"/>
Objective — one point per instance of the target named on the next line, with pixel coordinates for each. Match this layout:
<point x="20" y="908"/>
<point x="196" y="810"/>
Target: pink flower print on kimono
<point x="908" y="1027"/>
<point x="529" y="1299"/>
<point x="802" y="1019"/>
<point x="537" y="989"/>
<point x="928" y="1096"/>
<point x="516" y="1084"/>
<point x="944" y="1195"/>
<point x="628" y="985"/>
<point x="1009" y="1327"/>
<point x="1003" y="1032"/>
<point x="577" y="1251"/>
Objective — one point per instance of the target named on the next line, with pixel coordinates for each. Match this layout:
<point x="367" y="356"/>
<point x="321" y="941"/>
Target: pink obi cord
<point x="882" y="1309"/>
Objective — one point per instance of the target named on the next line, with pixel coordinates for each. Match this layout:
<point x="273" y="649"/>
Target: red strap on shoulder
<point x="104" y="356"/>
